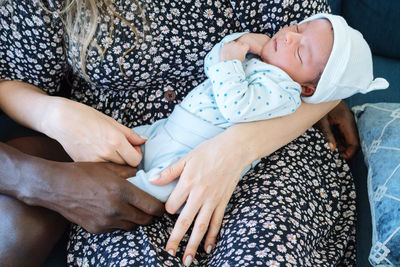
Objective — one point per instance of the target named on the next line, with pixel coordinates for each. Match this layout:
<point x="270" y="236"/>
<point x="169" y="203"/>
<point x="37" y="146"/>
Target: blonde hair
<point x="81" y="19"/>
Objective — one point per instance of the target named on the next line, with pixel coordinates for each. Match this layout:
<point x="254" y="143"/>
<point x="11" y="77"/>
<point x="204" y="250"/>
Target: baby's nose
<point x="292" y="38"/>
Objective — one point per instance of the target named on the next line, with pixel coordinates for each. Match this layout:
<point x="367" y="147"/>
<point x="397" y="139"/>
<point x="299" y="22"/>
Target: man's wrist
<point x="23" y="176"/>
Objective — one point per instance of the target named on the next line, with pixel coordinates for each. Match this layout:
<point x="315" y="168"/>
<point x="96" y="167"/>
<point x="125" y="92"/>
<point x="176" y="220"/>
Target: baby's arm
<point x="253" y="91"/>
<point x="213" y="57"/>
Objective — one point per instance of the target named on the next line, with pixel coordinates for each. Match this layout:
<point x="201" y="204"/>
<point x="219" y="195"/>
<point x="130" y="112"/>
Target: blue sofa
<point x="379" y="22"/>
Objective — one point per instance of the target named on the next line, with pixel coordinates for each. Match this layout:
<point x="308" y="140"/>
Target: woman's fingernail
<point x="188" y="261"/>
<point x="171" y="252"/>
<point x="144" y="137"/>
<point x="209" y="248"/>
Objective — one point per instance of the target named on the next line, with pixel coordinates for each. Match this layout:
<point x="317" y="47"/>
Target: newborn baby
<point x="253" y="77"/>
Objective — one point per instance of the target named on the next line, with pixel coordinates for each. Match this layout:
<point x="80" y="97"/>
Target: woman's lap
<point x="295" y="208"/>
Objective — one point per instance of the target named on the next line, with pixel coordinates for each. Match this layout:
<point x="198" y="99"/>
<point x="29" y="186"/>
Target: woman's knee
<point x="27" y="233"/>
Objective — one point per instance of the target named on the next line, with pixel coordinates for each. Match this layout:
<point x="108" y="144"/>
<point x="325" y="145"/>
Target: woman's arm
<point x="264" y="137"/>
<point x="85" y="133"/>
<point x="210" y="173"/>
<point x="93" y="195"/>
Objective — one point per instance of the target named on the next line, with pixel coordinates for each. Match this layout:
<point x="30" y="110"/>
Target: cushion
<point x="379" y="129"/>
<point x="378" y="21"/>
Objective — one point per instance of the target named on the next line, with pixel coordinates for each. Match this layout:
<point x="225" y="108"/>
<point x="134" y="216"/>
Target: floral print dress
<point x="295" y="208"/>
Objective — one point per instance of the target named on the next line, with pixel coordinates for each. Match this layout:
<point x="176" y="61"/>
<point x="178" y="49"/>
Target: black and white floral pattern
<point x="295" y="208"/>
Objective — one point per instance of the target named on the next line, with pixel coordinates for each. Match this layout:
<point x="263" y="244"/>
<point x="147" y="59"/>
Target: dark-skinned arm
<point x="93" y="195"/>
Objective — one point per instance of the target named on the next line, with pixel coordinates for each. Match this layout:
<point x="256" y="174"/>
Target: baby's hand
<point x="234" y="50"/>
<point x="256" y="42"/>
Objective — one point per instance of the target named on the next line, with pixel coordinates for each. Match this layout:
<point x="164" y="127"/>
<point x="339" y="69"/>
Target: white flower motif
<point x="175" y="40"/>
<point x="228" y="12"/>
<point x="4" y="11"/>
<point x="208" y="13"/>
<point x="273" y="263"/>
<point x="129" y="15"/>
<point x="4" y="24"/>
<point x="29" y="22"/>
<point x="202" y="34"/>
<point x="117" y="49"/>
<point x="290" y="258"/>
<point x="191" y="57"/>
<point x="37" y="20"/>
<point x="292" y="238"/>
<point x="281" y="248"/>
<point x="164" y="29"/>
<point x="164" y="67"/>
<point x="261" y="253"/>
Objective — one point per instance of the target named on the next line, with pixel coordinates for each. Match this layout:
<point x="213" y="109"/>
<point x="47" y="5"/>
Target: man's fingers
<point x="170" y="173"/>
<point x="122" y="171"/>
<point x="350" y="151"/>
<point x="127" y="225"/>
<point x="351" y="138"/>
<point x="136" y="216"/>
<point x="349" y="132"/>
<point x="325" y="127"/>
<point x="143" y="201"/>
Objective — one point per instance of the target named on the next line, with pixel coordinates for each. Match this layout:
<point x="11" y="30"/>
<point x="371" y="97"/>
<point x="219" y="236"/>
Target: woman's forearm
<point x="261" y="138"/>
<point x="24" y="103"/>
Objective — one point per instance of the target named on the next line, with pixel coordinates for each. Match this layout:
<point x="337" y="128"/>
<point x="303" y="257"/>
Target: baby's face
<point x="302" y="51"/>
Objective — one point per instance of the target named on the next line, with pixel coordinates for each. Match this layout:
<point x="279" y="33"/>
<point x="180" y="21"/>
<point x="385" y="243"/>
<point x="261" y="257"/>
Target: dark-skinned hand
<point x="96" y="196"/>
<point x="340" y="130"/>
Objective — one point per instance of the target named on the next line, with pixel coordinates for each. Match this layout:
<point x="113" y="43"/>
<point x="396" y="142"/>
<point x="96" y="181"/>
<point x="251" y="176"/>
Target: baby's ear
<point x="307" y="89"/>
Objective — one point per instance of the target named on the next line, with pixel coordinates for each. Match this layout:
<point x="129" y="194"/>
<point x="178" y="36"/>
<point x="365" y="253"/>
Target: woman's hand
<point x="88" y="135"/>
<point x="85" y="133"/>
<point x="208" y="177"/>
<point x="346" y="138"/>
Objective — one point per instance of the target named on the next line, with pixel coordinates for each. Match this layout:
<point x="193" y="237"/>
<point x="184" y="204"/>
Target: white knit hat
<point x="349" y="67"/>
